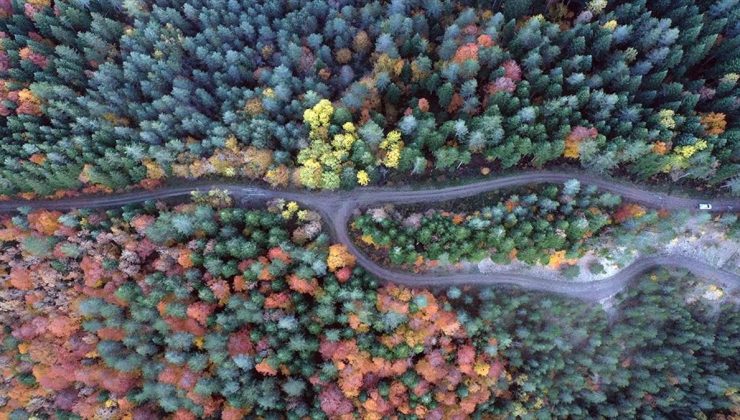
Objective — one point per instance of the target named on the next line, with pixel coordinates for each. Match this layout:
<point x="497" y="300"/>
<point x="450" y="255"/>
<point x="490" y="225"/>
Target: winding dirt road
<point x="336" y="209"/>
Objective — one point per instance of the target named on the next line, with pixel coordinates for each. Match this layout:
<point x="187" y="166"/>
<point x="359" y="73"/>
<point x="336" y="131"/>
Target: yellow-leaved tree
<point x="339" y="257"/>
<point x="392" y="146"/>
<point x="324" y="161"/>
<point x="321" y="162"/>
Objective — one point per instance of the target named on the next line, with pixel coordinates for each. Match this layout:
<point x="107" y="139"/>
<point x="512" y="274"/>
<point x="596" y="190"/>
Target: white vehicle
<point x="705" y="206"/>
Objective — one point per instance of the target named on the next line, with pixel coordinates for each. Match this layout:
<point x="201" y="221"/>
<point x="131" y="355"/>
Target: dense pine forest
<point x="100" y="95"/>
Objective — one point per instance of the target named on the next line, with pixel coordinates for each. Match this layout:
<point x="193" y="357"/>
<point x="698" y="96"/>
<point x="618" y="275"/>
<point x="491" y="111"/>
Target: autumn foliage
<point x="466" y="52"/>
<point x="628" y="211"/>
<point x="80" y="342"/>
<point x="339" y="257"/>
<point x="446" y="363"/>
<point x="575" y="138"/>
<point x="45" y="222"/>
<point x="714" y="123"/>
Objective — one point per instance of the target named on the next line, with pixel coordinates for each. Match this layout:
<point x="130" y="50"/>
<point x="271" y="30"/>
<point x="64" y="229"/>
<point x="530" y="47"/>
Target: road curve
<point x="336" y="209"/>
<point x="594" y="291"/>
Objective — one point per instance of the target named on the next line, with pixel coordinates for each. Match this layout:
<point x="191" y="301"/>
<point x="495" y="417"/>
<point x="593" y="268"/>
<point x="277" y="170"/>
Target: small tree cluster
<point x="546" y="225"/>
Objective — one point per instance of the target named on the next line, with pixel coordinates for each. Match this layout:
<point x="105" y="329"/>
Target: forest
<point x="100" y="96"/>
<point x="346" y="209"/>
<point x="203" y="309"/>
